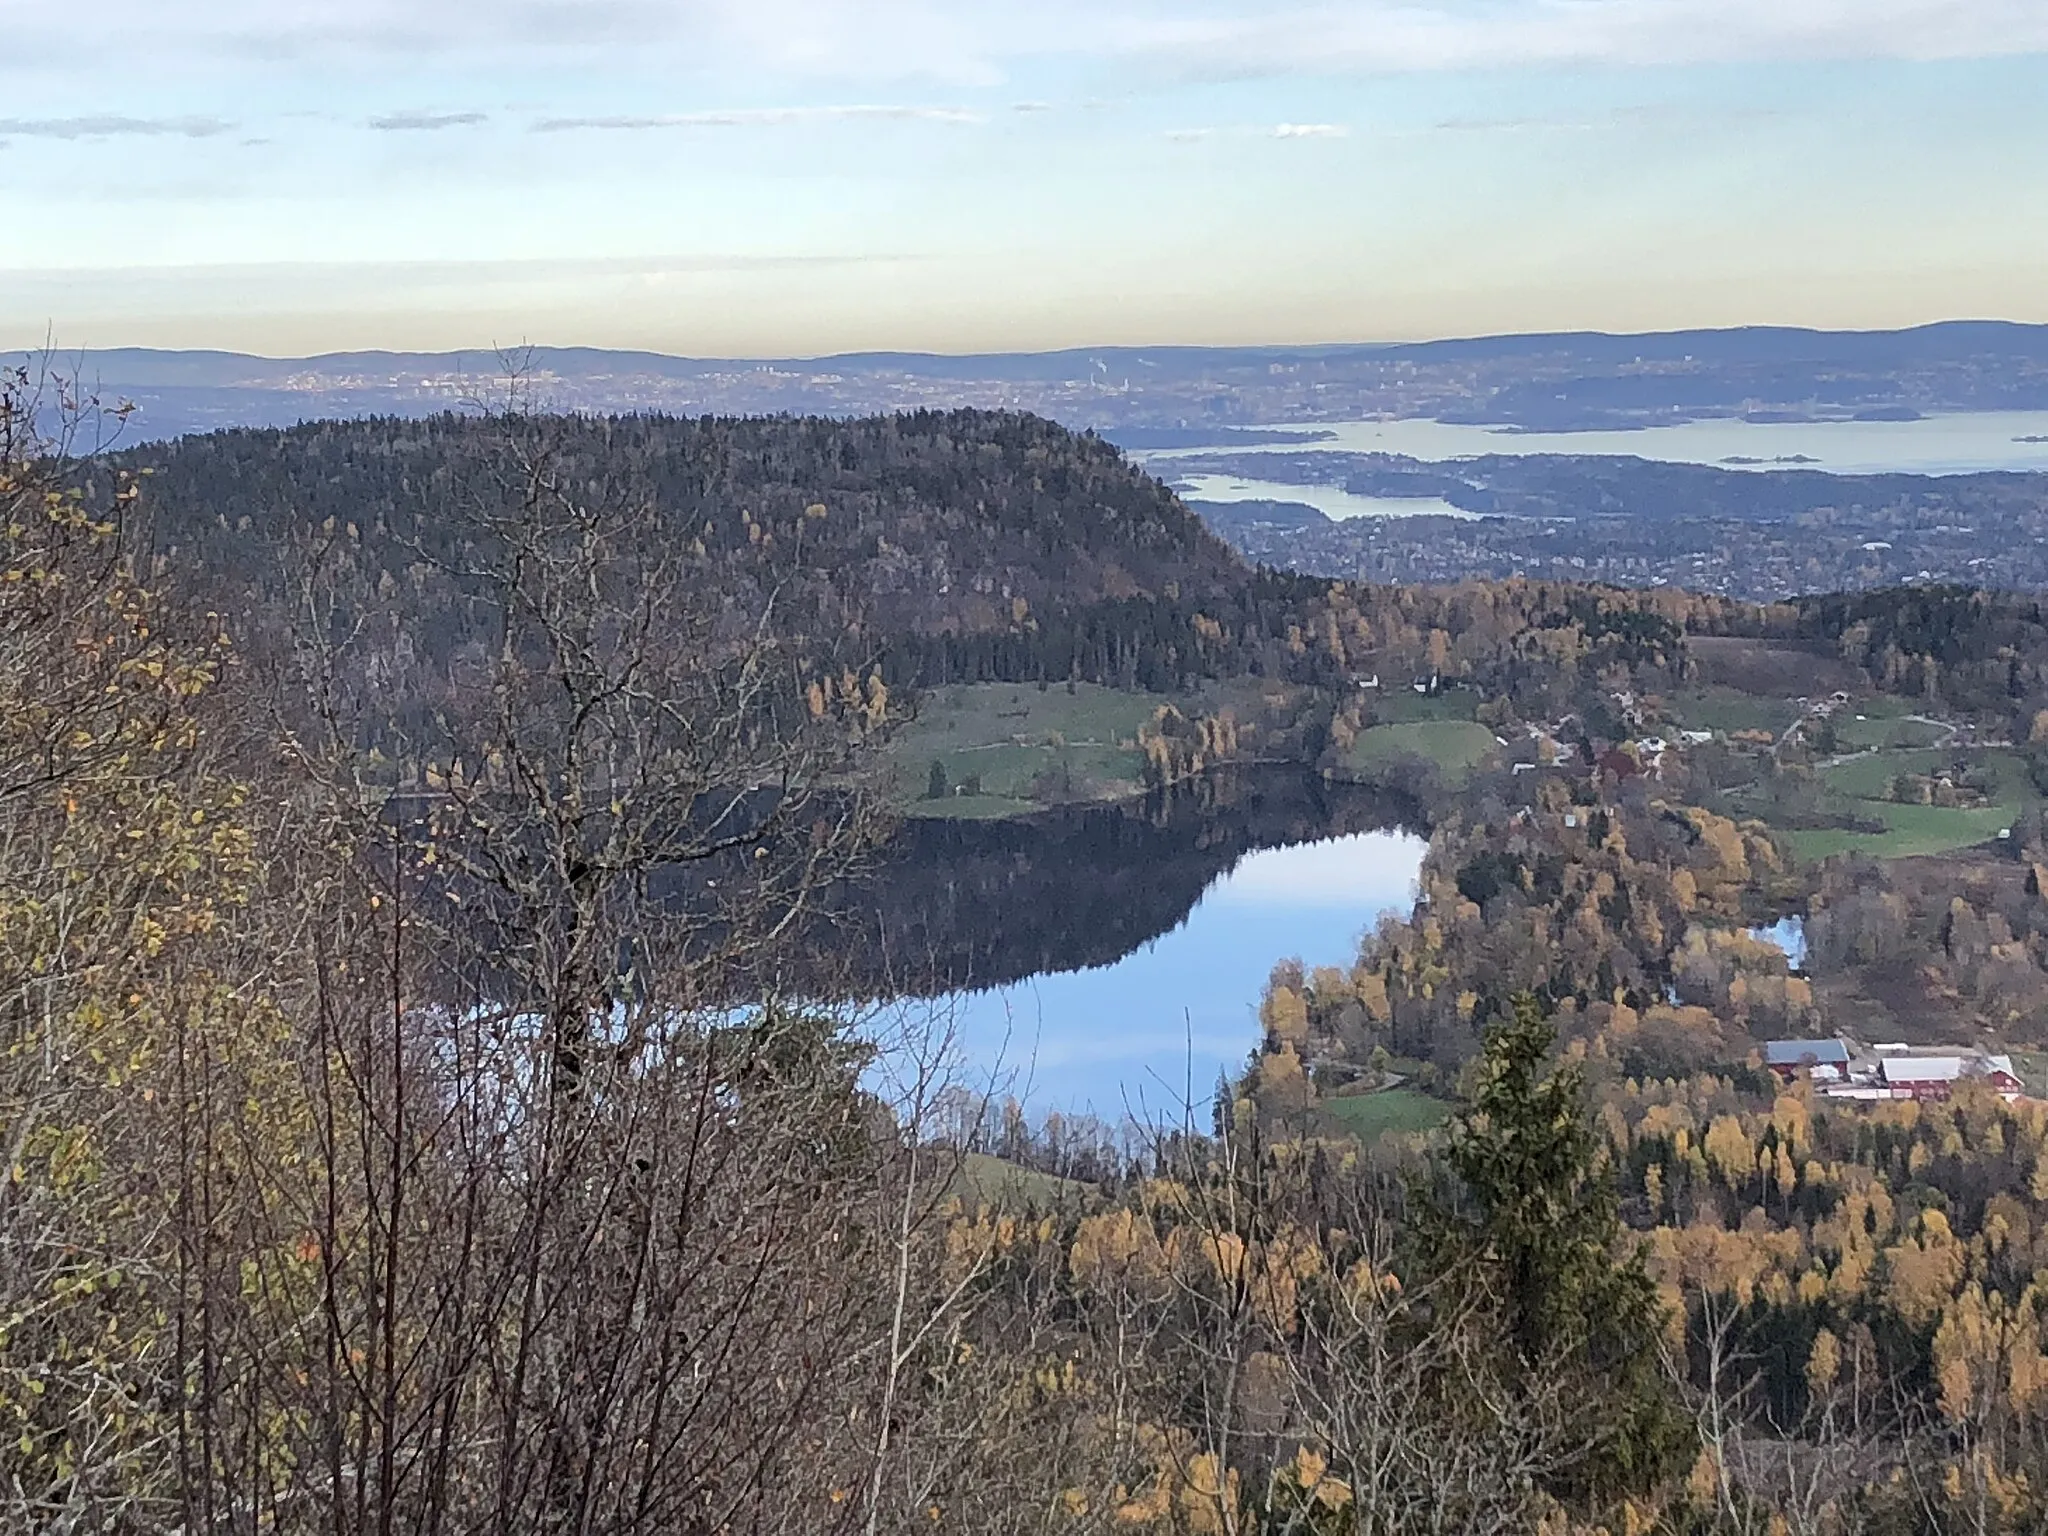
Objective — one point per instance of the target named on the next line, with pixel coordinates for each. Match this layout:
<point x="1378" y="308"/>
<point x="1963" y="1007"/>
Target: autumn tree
<point x="126" y="857"/>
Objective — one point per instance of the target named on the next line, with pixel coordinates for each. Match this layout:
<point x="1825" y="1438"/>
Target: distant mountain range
<point x="1560" y="382"/>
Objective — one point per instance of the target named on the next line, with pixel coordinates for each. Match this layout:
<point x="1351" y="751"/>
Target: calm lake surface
<point x="1963" y="443"/>
<point x="1145" y="1030"/>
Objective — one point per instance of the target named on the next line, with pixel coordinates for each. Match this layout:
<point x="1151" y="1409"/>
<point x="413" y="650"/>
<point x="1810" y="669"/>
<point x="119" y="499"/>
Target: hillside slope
<point x="973" y="544"/>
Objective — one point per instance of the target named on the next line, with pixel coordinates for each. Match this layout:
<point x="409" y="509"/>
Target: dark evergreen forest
<point x="953" y="546"/>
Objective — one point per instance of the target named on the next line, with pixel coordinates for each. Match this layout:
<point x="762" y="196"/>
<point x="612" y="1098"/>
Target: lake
<point x="1111" y="959"/>
<point x="1152" y="1032"/>
<point x="1963" y="443"/>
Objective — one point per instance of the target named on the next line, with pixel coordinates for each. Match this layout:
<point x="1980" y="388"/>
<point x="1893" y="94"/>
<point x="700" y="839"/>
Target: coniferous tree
<point x="1527" y="1222"/>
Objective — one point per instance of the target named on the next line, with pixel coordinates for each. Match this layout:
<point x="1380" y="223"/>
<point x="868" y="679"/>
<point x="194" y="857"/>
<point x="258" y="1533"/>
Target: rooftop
<point x="1923" y="1069"/>
<point x="1917" y="1068"/>
<point x="1793" y="1053"/>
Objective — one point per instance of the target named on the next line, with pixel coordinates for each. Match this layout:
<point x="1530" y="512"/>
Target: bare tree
<point x="599" y="1234"/>
<point x="118" y="861"/>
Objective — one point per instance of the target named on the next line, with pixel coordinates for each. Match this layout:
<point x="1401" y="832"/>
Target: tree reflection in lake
<point x="1111" y="958"/>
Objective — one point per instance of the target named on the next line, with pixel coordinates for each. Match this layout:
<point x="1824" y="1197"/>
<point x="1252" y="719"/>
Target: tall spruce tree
<point x="1522" y="1216"/>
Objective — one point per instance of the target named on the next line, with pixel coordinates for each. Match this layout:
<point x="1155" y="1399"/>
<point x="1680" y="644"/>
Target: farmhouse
<point x="1821" y="1060"/>
<point x="1846" y="1069"/>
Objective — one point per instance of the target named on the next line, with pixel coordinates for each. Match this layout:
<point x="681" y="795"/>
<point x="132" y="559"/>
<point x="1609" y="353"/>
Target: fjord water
<point x="1331" y="500"/>
<point x="1950" y="444"/>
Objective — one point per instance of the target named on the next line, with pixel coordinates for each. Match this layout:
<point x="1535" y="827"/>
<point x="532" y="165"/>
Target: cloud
<point x="763" y="117"/>
<point x="1512" y="124"/>
<point x="984" y="43"/>
<point x="1277" y="131"/>
<point x="427" y="122"/>
<point x="1381" y="36"/>
<point x="112" y="127"/>
<point x="369" y="275"/>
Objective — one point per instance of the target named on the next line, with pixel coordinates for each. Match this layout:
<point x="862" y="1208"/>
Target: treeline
<point x="949" y="547"/>
<point x="1604" y="906"/>
<point x="1860" y="1283"/>
<point x="1968" y="649"/>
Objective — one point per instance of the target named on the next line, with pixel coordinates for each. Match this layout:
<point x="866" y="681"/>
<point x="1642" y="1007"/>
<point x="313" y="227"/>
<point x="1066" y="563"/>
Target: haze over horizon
<point x="782" y="178"/>
<point x="503" y="357"/>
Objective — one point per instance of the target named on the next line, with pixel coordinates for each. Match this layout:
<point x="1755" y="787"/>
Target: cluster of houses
<point x="1642" y="757"/>
<point x="1640" y="754"/>
<point x="1847" y="1069"/>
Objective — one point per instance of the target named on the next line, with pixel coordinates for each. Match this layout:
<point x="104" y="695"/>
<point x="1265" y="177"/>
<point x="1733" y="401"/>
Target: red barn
<point x="1935" y="1077"/>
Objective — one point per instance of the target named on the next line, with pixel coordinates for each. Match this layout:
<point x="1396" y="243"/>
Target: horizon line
<point x="49" y="351"/>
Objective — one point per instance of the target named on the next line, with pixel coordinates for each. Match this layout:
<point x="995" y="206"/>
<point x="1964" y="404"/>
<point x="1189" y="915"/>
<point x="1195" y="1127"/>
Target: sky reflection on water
<point x="1154" y="1030"/>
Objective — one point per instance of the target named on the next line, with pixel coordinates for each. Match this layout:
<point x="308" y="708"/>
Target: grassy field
<point x="1913" y="829"/>
<point x="1456" y="746"/>
<point x="1728" y="709"/>
<point x="1371" y="1115"/>
<point x="1004" y="737"/>
<point x="1857" y="735"/>
<point x="1007" y="735"/>
<point x="1869" y="778"/>
<point x="985" y="1180"/>
<point x="1770" y="670"/>
<point x="1884" y="723"/>
<point x="1403" y="706"/>
<point x="1894" y="742"/>
<point x="972" y="808"/>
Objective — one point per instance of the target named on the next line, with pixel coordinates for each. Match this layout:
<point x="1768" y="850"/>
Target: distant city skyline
<point x="750" y="178"/>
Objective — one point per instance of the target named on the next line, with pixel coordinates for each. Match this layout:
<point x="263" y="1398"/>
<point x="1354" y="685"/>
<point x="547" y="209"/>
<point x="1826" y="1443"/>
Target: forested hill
<point x="969" y="543"/>
<point x="920" y="549"/>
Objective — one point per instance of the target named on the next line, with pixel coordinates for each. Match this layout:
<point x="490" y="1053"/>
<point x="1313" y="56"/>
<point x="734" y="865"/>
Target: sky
<point x="799" y="177"/>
